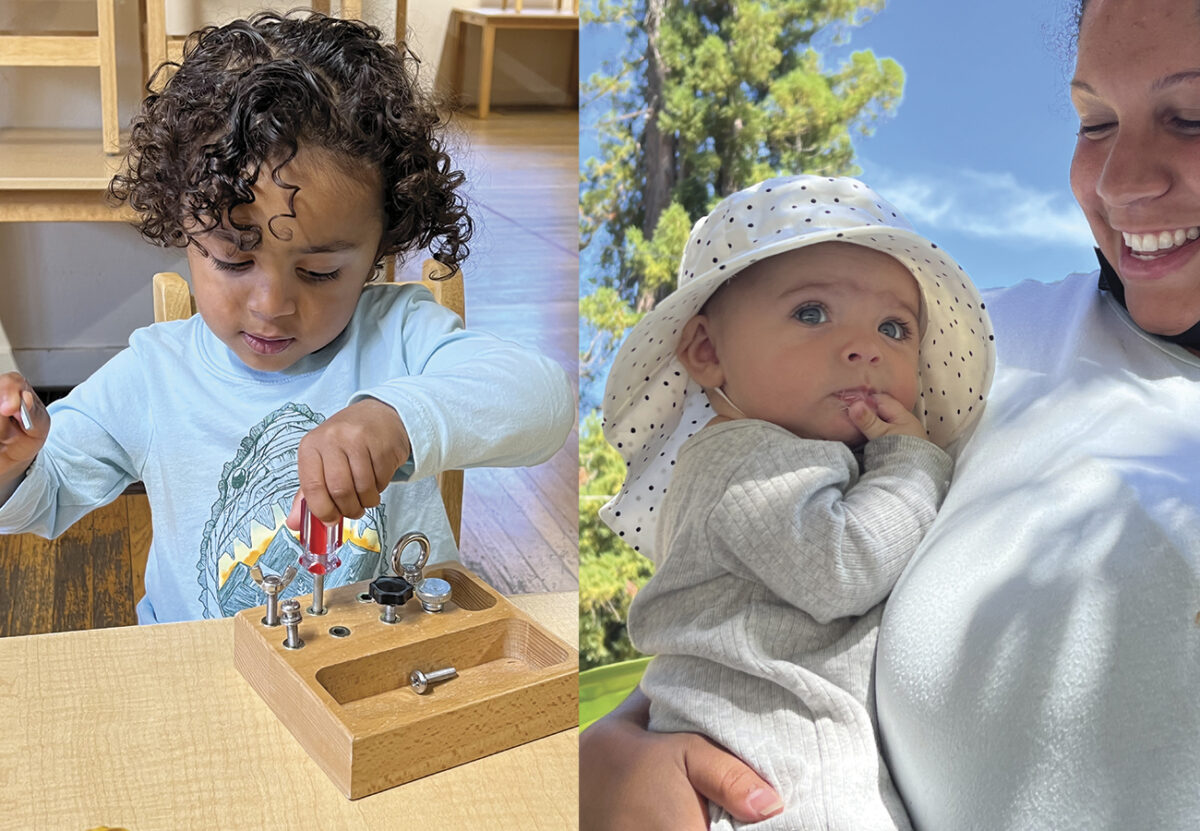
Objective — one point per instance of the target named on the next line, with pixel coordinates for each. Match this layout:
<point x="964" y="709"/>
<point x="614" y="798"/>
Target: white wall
<point x="70" y="293"/>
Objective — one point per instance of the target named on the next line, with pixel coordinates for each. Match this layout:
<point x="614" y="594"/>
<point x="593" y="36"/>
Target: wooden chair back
<point x="173" y="301"/>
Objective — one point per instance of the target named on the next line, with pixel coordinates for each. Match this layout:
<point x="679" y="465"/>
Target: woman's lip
<point x="266" y="346"/>
<point x="1154" y="266"/>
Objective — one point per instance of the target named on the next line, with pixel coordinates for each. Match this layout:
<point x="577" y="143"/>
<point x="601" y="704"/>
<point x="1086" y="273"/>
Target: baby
<point x="782" y="415"/>
<point x="289" y="156"/>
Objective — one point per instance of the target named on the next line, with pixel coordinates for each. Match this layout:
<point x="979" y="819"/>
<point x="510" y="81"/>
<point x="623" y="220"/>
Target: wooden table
<point x="151" y="727"/>
<point x="491" y="20"/>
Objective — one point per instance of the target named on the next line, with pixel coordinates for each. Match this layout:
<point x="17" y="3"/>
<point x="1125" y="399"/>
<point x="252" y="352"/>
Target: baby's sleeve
<point x="795" y="519"/>
<point x="470" y="399"/>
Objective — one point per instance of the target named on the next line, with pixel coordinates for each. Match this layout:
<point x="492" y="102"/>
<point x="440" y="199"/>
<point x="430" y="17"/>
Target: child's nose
<point x="862" y="349"/>
<point x="272" y="297"/>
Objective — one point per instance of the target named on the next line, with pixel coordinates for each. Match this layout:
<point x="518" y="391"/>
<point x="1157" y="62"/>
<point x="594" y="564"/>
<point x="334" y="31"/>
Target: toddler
<point x="782" y="415"/>
<point x="289" y="155"/>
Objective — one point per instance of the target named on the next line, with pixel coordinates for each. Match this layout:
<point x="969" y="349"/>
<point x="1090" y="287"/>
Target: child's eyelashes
<point x="814" y="314"/>
<point x="225" y="265"/>
<point x="811" y="314"/>
<point x="320" y="276"/>
<point x="895" y="329"/>
<point x="303" y="273"/>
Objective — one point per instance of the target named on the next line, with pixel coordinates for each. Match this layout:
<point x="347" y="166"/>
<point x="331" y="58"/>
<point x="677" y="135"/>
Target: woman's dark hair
<point x="249" y="93"/>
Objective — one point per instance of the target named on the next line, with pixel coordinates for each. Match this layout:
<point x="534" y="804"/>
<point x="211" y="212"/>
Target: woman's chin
<point x="1163" y="312"/>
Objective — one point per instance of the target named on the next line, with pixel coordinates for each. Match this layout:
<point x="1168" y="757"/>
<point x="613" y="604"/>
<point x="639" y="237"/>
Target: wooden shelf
<point x="56" y="175"/>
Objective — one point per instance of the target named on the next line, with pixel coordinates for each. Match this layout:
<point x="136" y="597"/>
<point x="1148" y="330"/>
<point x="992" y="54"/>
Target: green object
<point x="601" y="689"/>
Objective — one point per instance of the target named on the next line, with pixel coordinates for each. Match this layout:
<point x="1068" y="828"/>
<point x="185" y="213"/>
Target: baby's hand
<point x="888" y="418"/>
<point x="18" y="444"/>
<point x="347" y="460"/>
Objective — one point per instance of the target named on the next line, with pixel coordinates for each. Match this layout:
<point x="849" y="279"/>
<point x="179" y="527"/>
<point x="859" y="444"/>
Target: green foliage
<point x="707" y="97"/>
<point x="610" y="572"/>
<point x="742" y="97"/>
<point x="609" y="317"/>
<point x="657" y="259"/>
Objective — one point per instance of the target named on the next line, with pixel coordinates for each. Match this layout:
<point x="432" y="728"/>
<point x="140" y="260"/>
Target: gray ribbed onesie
<point x="774" y="556"/>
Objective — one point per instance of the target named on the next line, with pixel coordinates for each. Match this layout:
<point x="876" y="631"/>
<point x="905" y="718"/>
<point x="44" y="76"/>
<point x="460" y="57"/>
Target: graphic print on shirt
<point x="248" y="524"/>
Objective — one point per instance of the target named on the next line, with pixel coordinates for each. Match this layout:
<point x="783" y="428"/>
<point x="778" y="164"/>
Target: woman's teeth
<point x="1160" y="241"/>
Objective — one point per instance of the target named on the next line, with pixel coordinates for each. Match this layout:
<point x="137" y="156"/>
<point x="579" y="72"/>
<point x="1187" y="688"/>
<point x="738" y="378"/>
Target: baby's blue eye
<point x="894" y="329"/>
<point x="811" y="315"/>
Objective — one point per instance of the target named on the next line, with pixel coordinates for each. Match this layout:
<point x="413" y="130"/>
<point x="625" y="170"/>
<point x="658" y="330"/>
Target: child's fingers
<point x="889" y="409"/>
<point x="362" y="492"/>
<point x="311" y="469"/>
<point x="295" y="516"/>
<point x="866" y="420"/>
<point x="24" y="422"/>
<point x="18" y="402"/>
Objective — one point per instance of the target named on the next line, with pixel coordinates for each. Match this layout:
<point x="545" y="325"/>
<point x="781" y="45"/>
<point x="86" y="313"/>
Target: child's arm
<point x="471" y="399"/>
<point x="446" y="397"/>
<point x="86" y="459"/>
<point x="789" y="520"/>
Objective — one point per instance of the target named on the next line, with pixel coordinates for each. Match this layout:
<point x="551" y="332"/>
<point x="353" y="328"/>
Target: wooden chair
<point x="98" y="49"/>
<point x="173" y="301"/>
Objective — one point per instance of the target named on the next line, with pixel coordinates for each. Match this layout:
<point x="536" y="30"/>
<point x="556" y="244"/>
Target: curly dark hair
<point x="251" y="92"/>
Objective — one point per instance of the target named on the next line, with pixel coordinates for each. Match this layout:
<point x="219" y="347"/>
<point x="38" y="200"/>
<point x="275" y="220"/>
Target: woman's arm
<point x="633" y="780"/>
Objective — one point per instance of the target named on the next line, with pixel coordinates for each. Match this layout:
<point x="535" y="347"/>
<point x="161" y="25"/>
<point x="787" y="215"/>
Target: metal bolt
<point x="433" y="592"/>
<point x="410" y="571"/>
<point x="390" y="592"/>
<point x="318" y="596"/>
<point x="291" y="622"/>
<point x="273" y="586"/>
<point x="422" y="681"/>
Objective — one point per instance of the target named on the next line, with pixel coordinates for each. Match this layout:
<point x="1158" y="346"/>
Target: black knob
<point x="391" y="591"/>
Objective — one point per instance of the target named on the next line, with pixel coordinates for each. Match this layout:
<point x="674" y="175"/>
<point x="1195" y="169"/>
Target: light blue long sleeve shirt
<point x="215" y="443"/>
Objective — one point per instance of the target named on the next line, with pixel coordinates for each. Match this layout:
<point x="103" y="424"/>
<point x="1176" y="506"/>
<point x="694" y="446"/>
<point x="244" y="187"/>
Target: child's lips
<point x="266" y="346"/>
<point x="852" y="394"/>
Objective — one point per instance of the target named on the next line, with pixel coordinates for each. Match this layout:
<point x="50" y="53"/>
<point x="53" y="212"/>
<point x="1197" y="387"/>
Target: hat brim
<point x="957" y="352"/>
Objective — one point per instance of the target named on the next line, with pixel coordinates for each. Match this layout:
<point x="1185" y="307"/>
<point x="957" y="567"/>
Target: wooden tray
<point x="348" y="702"/>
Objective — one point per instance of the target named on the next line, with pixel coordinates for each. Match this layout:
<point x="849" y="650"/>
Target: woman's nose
<point x="1134" y="170"/>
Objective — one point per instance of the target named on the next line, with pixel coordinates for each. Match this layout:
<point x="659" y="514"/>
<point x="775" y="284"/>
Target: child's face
<point x="296" y="291"/>
<point x="799" y="335"/>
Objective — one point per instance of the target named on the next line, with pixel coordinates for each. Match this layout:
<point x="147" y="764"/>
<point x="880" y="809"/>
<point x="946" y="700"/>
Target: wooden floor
<point x="519" y="525"/>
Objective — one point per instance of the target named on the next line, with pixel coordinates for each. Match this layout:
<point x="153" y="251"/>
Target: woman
<point x="1037" y="664"/>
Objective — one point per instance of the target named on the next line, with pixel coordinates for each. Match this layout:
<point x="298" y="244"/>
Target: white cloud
<point x="985" y="205"/>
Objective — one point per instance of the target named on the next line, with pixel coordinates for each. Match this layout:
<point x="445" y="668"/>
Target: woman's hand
<point x="346" y="461"/>
<point x="19" y="444"/>
<point x="633" y="780"/>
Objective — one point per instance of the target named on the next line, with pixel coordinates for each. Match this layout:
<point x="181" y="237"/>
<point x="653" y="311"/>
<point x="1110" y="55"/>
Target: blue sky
<point x="977" y="154"/>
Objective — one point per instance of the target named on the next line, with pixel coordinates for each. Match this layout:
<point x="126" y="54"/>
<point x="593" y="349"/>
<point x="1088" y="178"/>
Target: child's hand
<point x="19" y="446"/>
<point x="888" y="418"/>
<point x="347" y="460"/>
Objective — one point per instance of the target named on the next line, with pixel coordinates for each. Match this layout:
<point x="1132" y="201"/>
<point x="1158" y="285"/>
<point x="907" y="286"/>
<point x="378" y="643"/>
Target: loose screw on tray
<point x="422" y="681"/>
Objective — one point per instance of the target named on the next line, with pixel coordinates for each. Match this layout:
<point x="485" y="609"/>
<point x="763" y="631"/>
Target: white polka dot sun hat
<point x="651" y="407"/>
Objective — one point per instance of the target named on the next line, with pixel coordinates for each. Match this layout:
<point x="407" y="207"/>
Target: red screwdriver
<point x="319" y="543"/>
